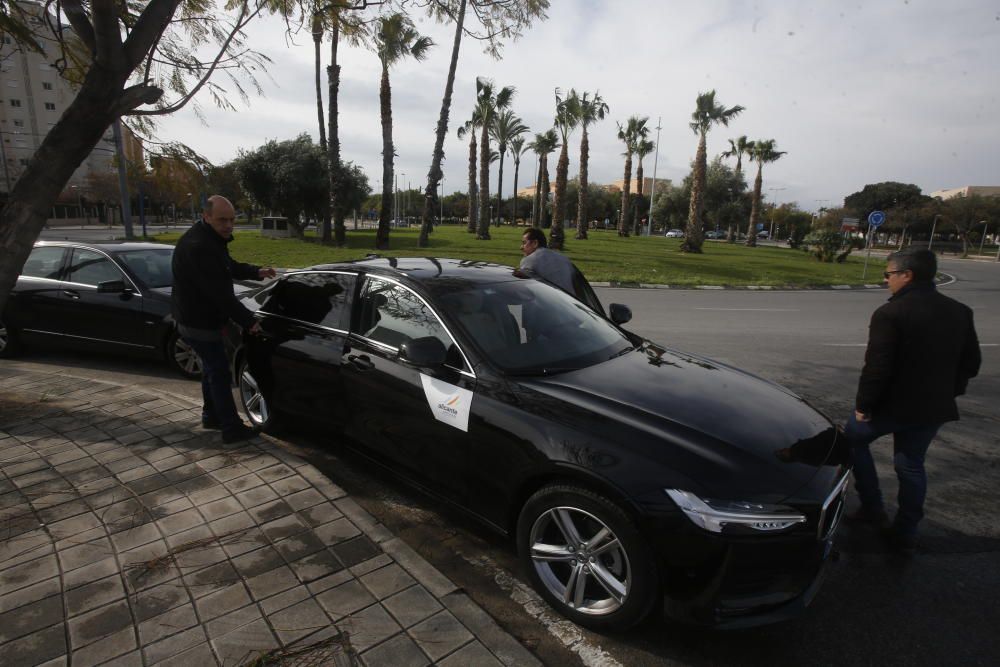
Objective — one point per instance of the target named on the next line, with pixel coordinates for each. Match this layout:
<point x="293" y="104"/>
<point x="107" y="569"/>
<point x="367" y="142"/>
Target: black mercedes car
<point x="630" y="474"/>
<point x="109" y="296"/>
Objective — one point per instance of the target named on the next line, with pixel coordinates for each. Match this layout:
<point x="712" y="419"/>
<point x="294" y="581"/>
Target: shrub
<point x="827" y="246"/>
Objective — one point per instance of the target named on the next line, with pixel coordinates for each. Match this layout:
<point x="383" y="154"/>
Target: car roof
<point x="433" y="273"/>
<point x="107" y="246"/>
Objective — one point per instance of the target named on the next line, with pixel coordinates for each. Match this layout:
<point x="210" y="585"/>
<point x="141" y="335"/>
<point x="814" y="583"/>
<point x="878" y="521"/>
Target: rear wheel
<point x="585" y="556"/>
<point x="252" y="400"/>
<point x="182" y="357"/>
<point x="10" y="345"/>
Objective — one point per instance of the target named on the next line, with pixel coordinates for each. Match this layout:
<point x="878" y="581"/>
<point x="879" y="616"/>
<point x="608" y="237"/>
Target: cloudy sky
<point x="856" y="91"/>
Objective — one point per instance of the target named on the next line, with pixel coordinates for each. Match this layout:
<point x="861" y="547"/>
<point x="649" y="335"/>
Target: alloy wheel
<point x="253" y="401"/>
<point x="580" y="561"/>
<point x="186" y="358"/>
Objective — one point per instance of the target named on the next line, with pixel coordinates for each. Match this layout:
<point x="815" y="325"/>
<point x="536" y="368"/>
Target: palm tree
<point x="761" y="152"/>
<point x="567" y="116"/>
<point x="489" y="102"/>
<point x="635" y="130"/>
<point x="470" y="128"/>
<point x="395" y="38"/>
<point x="738" y="148"/>
<point x="590" y="109"/>
<point x="506" y="127"/>
<point x="643" y="148"/>
<point x="544" y="143"/>
<point x="706" y="114"/>
<point x="517" y="149"/>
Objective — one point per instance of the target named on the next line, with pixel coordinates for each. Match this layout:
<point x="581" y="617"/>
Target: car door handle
<point x="73" y="294"/>
<point x="361" y="362"/>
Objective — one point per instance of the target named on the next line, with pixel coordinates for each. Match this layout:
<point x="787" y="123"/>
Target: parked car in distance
<point x="675" y="234"/>
<point x="763" y="234"/>
<point x="599" y="453"/>
<point x="715" y="234"/>
<point x="108" y="296"/>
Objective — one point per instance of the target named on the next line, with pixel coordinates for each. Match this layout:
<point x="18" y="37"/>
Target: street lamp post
<point x="191" y="195"/>
<point x="441" y="201"/>
<point x="986" y="226"/>
<point x="652" y="188"/>
<point x="775" y="205"/>
<point x="930" y="243"/>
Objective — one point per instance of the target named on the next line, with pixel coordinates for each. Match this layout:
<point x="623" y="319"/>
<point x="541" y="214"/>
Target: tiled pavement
<point x="130" y="536"/>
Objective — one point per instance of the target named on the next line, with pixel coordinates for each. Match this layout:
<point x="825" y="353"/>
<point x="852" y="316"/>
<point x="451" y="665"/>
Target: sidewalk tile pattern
<point x="131" y="536"/>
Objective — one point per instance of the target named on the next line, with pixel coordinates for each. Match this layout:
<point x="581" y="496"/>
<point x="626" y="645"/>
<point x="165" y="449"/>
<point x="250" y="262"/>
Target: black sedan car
<point x="109" y="296"/>
<point x="629" y="473"/>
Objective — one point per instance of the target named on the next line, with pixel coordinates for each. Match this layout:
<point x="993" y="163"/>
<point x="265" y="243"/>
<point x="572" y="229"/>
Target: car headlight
<point x="715" y="515"/>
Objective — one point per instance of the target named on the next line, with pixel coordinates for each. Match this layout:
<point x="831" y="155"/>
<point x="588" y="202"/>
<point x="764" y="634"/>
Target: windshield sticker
<point x="448" y="403"/>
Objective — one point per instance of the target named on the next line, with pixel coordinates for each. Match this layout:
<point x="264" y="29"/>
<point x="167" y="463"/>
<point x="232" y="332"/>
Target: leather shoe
<point x="238" y="434"/>
<point x="211" y="424"/>
<point x="873" y="516"/>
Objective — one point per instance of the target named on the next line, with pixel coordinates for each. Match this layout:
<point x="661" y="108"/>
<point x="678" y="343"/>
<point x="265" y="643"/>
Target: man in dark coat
<point x="203" y="302"/>
<point x="922" y="351"/>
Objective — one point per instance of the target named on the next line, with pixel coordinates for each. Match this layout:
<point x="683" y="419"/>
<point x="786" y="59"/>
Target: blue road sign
<point x="876" y="218"/>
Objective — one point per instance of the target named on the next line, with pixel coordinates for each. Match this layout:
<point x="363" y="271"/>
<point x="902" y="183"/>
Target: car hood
<point x="712" y="423"/>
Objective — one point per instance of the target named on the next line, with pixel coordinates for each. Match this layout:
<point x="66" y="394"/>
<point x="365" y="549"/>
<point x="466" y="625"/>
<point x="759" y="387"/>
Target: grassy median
<point x="604" y="257"/>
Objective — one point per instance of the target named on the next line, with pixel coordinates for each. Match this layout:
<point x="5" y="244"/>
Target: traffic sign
<point x="876" y="218"/>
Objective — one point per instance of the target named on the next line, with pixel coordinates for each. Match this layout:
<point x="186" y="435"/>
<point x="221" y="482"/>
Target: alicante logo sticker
<point x="448" y="403"/>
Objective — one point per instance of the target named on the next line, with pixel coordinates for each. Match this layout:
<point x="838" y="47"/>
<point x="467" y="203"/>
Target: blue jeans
<point x="910" y="443"/>
<point x="216" y="384"/>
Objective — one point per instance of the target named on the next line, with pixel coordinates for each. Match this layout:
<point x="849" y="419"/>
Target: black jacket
<point x="202" y="296"/>
<point x="922" y="350"/>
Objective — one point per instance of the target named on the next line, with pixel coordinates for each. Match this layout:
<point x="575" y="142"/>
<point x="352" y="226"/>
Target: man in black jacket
<point x="203" y="301"/>
<point x="922" y="351"/>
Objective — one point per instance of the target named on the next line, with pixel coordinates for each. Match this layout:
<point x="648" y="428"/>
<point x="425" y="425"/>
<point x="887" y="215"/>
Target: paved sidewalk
<point x="131" y="536"/>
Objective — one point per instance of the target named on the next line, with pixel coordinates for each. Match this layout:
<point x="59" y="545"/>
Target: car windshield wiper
<point x="621" y="353"/>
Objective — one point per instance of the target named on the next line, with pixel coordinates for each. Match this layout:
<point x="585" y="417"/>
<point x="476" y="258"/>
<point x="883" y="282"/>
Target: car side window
<point x="92" y="268"/>
<point x="314" y="297"/>
<point x="44" y="263"/>
<point x="392" y="314"/>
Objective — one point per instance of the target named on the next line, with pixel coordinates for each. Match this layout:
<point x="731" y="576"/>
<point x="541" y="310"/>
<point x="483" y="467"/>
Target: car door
<point x="415" y="420"/>
<point x="104" y="317"/>
<point x="297" y="359"/>
<point x="34" y="304"/>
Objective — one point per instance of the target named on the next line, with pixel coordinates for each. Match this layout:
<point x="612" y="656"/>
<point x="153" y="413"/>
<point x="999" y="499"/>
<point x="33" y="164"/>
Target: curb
<point x="614" y="284"/>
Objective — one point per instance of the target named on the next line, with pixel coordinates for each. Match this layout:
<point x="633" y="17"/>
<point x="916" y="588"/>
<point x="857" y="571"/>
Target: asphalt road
<point x="939" y="607"/>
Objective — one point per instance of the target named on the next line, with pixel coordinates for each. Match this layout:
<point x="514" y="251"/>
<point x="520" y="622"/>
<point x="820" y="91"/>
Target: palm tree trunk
<point x="483" y="230"/>
<point x="385" y="102"/>
<point x="755" y="207"/>
<point x="638" y="199"/>
<point x="503" y="150"/>
<point x="582" y="200"/>
<point x="543" y="212"/>
<point x="623" y="226"/>
<point x="535" y="210"/>
<point x="557" y="236"/>
<point x="473" y="191"/>
<point x="517" y="168"/>
<point x="435" y="173"/>
<point x="333" y="147"/>
<point x="694" y="235"/>
<point x="317" y="34"/>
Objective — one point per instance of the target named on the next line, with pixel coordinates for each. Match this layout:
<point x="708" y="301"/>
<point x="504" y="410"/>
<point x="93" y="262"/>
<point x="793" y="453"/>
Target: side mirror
<point x="423" y="352"/>
<point x="620" y="313"/>
<point x="111" y="286"/>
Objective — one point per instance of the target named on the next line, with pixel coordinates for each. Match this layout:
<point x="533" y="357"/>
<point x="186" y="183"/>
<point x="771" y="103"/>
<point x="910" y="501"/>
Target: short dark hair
<point x="535" y="234"/>
<point x="921" y="261"/>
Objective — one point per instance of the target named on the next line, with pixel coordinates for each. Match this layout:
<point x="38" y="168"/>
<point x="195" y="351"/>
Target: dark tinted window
<point x="151" y="266"/>
<point x="92" y="268"/>
<point x="44" y="263"/>
<point x="316" y="298"/>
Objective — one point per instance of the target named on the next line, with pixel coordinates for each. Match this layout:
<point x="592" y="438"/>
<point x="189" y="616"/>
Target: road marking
<point x="760" y="310"/>
<point x="565" y="632"/>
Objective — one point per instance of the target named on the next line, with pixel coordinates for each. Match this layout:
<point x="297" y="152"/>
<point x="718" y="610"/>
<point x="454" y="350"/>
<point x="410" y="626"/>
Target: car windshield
<point x="150" y="265"/>
<point x="530" y="328"/>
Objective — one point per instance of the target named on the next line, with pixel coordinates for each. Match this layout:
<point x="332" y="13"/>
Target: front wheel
<point x="252" y="400"/>
<point x="585" y="556"/>
<point x="182" y="357"/>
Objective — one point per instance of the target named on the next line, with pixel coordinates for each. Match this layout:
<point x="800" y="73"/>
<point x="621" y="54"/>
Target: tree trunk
<point x="755" y="207"/>
<point x="317" y="33"/>
<point x="435" y="173"/>
<point x="503" y="150"/>
<point x="582" y="214"/>
<point x="637" y="219"/>
<point x="694" y="236"/>
<point x="385" y="101"/>
<point x="517" y="168"/>
<point x="557" y="236"/>
<point x="543" y="209"/>
<point x="536" y="215"/>
<point x="483" y="231"/>
<point x="473" y="190"/>
<point x="333" y="148"/>
<point x="623" y="226"/>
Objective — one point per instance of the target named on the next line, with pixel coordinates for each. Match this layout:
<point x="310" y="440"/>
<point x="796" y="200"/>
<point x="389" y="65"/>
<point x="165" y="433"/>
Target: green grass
<point x="604" y="257"/>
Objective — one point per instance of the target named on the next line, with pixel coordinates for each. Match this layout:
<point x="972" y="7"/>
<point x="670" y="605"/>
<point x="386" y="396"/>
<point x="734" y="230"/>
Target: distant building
<point x="619" y="185"/>
<point x="968" y="191"/>
<point x="33" y="96"/>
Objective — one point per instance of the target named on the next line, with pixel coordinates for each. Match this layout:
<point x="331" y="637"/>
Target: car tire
<point x="182" y="357"/>
<point x="252" y="400"/>
<point x="10" y="343"/>
<point x="607" y="584"/>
